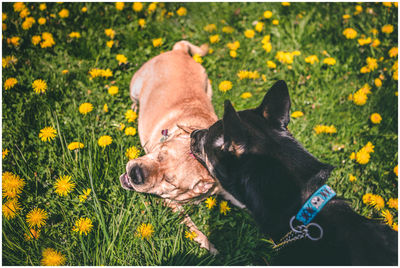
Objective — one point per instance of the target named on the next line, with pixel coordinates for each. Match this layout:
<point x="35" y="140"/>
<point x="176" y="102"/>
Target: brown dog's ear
<point x="276" y="104"/>
<point x="203" y="187"/>
<point x="234" y="132"/>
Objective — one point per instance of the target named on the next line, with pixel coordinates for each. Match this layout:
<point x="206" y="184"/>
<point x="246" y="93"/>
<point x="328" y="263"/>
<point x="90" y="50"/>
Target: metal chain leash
<point x="296" y="233"/>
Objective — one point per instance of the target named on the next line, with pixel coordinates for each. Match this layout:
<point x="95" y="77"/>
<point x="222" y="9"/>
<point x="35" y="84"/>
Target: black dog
<point x="257" y="160"/>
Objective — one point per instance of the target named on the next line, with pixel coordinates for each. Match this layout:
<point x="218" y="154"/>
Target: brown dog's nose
<point x="137" y="174"/>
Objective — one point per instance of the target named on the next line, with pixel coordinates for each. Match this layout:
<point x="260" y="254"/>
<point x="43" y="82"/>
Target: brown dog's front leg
<point x="200" y="237"/>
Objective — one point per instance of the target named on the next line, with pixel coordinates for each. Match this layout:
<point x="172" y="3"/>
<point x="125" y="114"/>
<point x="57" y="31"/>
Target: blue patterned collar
<point x="314" y="204"/>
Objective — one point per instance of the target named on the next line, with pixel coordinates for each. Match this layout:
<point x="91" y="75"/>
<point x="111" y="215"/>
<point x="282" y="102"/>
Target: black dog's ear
<point x="276" y="104"/>
<point x="234" y="134"/>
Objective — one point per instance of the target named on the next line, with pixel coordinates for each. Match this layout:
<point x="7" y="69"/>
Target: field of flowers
<point x="68" y="131"/>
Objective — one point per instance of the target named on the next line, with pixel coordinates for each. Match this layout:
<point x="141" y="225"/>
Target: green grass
<point x="318" y="90"/>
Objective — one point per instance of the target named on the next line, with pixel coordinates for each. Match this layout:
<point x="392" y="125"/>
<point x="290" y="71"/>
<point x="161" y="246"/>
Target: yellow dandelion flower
<point x="152" y="7"/>
<point x="393" y="203"/>
<point x="387" y="216"/>
<point x="360" y="98"/>
<point x="10" y="83"/>
<point x="36" y="39"/>
<point x="210" y="202"/>
<point x="190" y="235"/>
<point x="264" y="78"/>
<point x="104" y="141"/>
<point x="224" y="86"/>
<point x="130" y="131"/>
<point x="246" y="95"/>
<point x="375" y="43"/>
<point x="110" y="43"/>
<point x="157" y="42"/>
<point x="142" y="22"/>
<point x="105" y="108"/>
<point x="325" y="129"/>
<point x="47" y="134"/>
<point x="11" y="208"/>
<point x="378" y="82"/>
<point x="234" y="45"/>
<point x="85" y="195"/>
<point x="329" y="61"/>
<point x="39" y="86"/>
<point x="24" y="13"/>
<point x="132" y="153"/>
<point x="352" y="178"/>
<point x="36" y="217"/>
<point x="18" y="6"/>
<point x="42" y="6"/>
<point x="214" y="39"/>
<point x="367" y="198"/>
<point x="228" y="29"/>
<point x="75" y="35"/>
<point x="28" y="23"/>
<point x="369" y="148"/>
<point x="83" y="225"/>
<point x="297" y="114"/>
<point x="284" y="57"/>
<point x="349" y="33"/>
<point x="13" y="40"/>
<point x="48" y="40"/>
<point x="395" y="227"/>
<point x="259" y="26"/>
<point x="145" y="230"/>
<point x="12" y="185"/>
<point x="223" y="207"/>
<point x="387" y="4"/>
<point x="372" y="63"/>
<point x="5" y="153"/>
<point x="362" y="157"/>
<point x="267" y="14"/>
<point x="64" y="13"/>
<point x="271" y="64"/>
<point x="285" y="4"/>
<point x="376" y="118"/>
<point x="364" y="41"/>
<point x="85" y="108"/>
<point x="121" y="59"/>
<point x="197" y="58"/>
<point x="366" y="89"/>
<point x="110" y="33"/>
<point x="119" y="5"/>
<point x="364" y="70"/>
<point x="396" y="170"/>
<point x="121" y="126"/>
<point x="210" y="28"/>
<point x="64" y="185"/>
<point x="311" y="59"/>
<point x="130" y="115"/>
<point x="393" y="52"/>
<point x="51" y="257"/>
<point x="137" y="6"/>
<point x="75" y="145"/>
<point x="113" y="90"/>
<point x="275" y="22"/>
<point x="4" y="16"/>
<point x="249" y="33"/>
<point x="181" y="11"/>
<point x="267" y="47"/>
<point x="346" y="16"/>
<point x="388" y="29"/>
<point x="32" y="234"/>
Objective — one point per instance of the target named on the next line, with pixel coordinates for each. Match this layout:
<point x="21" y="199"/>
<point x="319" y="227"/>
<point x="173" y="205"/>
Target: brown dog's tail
<point x="190" y="48"/>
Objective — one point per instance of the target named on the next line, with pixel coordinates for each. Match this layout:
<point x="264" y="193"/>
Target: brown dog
<point x="174" y="94"/>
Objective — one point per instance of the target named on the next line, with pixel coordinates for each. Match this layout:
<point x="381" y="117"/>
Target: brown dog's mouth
<point x="126" y="182"/>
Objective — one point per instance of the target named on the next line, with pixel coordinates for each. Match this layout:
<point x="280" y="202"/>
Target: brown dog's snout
<point x="137" y="174"/>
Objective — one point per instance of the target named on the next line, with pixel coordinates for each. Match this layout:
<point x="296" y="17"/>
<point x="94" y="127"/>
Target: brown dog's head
<point x="169" y="171"/>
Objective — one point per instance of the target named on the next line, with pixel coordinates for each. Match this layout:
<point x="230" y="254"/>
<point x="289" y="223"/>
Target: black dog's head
<point x="255" y="157"/>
